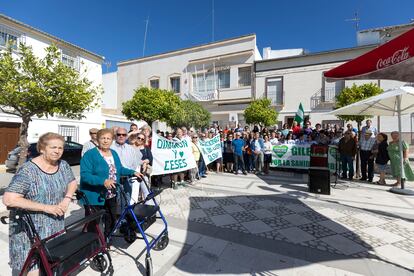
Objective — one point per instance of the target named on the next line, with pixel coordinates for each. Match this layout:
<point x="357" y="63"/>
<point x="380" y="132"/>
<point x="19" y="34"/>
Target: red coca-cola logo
<point x="397" y="57"/>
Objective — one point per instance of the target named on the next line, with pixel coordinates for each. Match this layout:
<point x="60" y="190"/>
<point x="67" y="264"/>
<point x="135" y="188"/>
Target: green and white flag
<point x="300" y="115"/>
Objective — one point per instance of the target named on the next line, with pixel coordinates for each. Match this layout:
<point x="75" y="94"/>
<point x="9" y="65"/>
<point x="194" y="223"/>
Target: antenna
<point x="108" y="65"/>
<point x="145" y="35"/>
<point x="356" y="19"/>
<point x="212" y="21"/>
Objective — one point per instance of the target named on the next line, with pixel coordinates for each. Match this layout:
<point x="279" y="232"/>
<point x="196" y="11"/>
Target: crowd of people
<point x="45" y="185"/>
<point x="249" y="150"/>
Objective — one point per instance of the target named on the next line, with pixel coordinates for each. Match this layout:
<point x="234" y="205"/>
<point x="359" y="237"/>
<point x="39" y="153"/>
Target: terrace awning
<point x="392" y="60"/>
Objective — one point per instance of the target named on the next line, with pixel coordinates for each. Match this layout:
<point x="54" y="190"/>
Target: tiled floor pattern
<point x="332" y="228"/>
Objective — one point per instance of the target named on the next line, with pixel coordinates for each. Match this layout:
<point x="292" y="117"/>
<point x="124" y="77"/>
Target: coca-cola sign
<point x="397" y="57"/>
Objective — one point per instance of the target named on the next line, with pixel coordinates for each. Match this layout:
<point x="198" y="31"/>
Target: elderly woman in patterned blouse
<point x="44" y="187"/>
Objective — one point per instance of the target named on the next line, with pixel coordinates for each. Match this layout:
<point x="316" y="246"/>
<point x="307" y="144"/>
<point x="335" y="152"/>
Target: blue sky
<point x="115" y="29"/>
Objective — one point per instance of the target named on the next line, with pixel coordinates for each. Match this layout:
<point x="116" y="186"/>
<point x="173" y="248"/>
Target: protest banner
<point x="210" y="149"/>
<point x="297" y="156"/>
<point x="171" y="156"/>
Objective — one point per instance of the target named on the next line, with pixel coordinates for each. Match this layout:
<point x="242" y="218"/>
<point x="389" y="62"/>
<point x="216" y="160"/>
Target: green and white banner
<point x="210" y="149"/>
<point x="171" y="156"/>
<point x="297" y="156"/>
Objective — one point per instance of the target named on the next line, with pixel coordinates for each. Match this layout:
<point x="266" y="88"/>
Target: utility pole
<point x="145" y="36"/>
<point x="212" y="21"/>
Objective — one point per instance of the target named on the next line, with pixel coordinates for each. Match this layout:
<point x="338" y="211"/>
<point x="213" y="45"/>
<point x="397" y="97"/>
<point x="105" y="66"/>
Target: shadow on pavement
<point x="260" y="234"/>
<point x="271" y="224"/>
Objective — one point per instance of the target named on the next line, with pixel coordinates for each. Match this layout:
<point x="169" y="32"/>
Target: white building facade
<point x="292" y="80"/>
<point x="287" y="82"/>
<point x="217" y="74"/>
<point x="13" y="31"/>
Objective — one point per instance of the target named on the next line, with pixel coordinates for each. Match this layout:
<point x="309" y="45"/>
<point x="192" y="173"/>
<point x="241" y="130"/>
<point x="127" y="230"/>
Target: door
<point x="9" y="135"/>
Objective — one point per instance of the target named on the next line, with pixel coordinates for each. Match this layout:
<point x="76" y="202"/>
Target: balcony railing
<point x="220" y="94"/>
<point x="324" y="98"/>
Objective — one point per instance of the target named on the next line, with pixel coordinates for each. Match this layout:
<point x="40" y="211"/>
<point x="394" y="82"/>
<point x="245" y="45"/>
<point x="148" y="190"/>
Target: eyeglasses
<point x="121" y="134"/>
<point x="195" y="137"/>
<point x="141" y="138"/>
<point x="90" y="133"/>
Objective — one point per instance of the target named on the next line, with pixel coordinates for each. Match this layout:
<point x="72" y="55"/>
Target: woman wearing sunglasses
<point x="146" y="153"/>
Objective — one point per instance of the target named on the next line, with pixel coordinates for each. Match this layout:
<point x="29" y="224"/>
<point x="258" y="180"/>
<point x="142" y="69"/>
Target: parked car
<point x="71" y="154"/>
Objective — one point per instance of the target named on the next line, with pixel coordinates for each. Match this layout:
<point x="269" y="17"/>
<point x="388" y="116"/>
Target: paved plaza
<point x="271" y="225"/>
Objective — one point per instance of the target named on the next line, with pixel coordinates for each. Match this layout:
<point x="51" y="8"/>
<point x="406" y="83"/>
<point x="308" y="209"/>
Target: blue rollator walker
<point x="136" y="218"/>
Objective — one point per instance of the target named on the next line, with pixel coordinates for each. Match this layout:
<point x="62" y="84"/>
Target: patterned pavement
<point x="355" y="223"/>
<point x="328" y="227"/>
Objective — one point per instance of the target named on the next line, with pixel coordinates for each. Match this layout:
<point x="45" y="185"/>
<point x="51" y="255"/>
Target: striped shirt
<point x="366" y="144"/>
<point x="372" y="128"/>
<point x="130" y="157"/>
<point x="87" y="146"/>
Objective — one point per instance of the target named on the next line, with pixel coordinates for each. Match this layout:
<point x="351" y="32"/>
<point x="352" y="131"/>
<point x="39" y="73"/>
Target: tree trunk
<point x="357" y="161"/>
<point x="23" y="143"/>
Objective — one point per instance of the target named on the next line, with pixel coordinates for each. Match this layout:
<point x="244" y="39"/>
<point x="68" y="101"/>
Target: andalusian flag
<point x="300" y="115"/>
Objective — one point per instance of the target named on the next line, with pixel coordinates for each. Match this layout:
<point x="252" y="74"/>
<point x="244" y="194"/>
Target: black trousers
<point x="239" y="163"/>
<point x="109" y="217"/>
<point x="367" y="161"/>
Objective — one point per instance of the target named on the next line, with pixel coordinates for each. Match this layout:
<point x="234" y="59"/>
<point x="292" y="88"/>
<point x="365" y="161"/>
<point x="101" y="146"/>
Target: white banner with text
<point x="171" y="156"/>
<point x="210" y="149"/>
<point x="297" y="156"/>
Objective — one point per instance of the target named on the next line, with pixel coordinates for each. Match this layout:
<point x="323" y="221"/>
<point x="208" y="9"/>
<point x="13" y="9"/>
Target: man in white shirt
<point x="130" y="158"/>
<point x="92" y="143"/>
<point x="273" y="138"/>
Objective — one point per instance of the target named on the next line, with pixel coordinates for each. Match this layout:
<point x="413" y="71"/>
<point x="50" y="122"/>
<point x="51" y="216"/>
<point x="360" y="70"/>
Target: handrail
<point x="85" y="220"/>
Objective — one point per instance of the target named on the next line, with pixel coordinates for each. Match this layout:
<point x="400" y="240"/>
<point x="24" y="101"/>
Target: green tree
<point x="260" y="112"/>
<point x="42" y="87"/>
<point x="151" y="105"/>
<point x="193" y="115"/>
<point x="350" y="95"/>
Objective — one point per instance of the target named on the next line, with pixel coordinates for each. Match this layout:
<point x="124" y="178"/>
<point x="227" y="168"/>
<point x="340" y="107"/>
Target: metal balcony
<point x="324" y="99"/>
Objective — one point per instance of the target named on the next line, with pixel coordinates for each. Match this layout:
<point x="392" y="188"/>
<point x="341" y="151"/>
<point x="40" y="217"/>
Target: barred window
<point x="70" y="60"/>
<point x="71" y="133"/>
<point x="9" y="37"/>
<point x="245" y="76"/>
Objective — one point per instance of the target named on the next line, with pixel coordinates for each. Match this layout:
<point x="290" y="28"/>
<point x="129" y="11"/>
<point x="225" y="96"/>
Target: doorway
<point x="9" y="135"/>
<point x="289" y="120"/>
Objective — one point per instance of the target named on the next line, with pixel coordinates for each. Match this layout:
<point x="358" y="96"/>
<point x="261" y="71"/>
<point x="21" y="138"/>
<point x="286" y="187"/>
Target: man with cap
<point x="92" y="143"/>
<point x="367" y="159"/>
